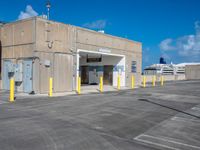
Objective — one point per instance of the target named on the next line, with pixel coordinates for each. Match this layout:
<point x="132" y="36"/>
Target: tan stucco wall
<point x="43" y="39"/>
<point x="192" y="72"/>
<point x="54" y="42"/>
<point x="18" y="39"/>
<point x="166" y="77"/>
<point x="52" y="36"/>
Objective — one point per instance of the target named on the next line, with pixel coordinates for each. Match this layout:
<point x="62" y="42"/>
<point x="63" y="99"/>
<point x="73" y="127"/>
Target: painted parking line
<point x="196" y="108"/>
<point x="185" y="119"/>
<point x="138" y="138"/>
<point x="3" y="102"/>
<point x="154" y="140"/>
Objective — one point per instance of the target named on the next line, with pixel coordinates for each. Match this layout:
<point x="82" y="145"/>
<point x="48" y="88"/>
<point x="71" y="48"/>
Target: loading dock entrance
<point x="91" y="65"/>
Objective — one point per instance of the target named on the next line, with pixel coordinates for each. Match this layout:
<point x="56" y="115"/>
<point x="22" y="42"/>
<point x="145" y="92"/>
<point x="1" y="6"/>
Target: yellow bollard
<point x="162" y="81"/>
<point x="12" y="90"/>
<point x="79" y="85"/>
<point x="144" y="81"/>
<point x="132" y="82"/>
<point x="153" y="80"/>
<point x="50" y="86"/>
<point x="101" y="84"/>
<point x="118" y="82"/>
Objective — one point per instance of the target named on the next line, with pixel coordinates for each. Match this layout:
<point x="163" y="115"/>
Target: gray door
<point x="27" y="75"/>
<point x="63" y="66"/>
<point x="6" y="75"/>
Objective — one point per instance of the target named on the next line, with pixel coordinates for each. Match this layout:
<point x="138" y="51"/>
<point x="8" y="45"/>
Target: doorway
<point x="8" y="72"/>
<point x="84" y="75"/>
<point x="108" y="75"/>
<point x="27" y="75"/>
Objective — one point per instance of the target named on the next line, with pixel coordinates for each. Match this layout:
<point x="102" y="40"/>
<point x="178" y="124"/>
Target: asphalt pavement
<point x="149" y="118"/>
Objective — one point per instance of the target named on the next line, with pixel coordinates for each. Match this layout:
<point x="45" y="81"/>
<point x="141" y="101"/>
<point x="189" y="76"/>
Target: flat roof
<point x="90" y="30"/>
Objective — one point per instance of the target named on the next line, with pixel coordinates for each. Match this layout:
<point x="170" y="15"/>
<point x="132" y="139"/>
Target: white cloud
<point x="166" y="45"/>
<point x="98" y="24"/>
<point x="29" y="12"/>
<point x="185" y="46"/>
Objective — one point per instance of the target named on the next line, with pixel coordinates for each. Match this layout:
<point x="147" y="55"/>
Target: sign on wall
<point x="93" y="59"/>
<point x="104" y="50"/>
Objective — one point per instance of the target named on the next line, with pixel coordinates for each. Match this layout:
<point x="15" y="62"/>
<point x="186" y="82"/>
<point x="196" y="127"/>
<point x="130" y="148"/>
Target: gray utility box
<point x="18" y="72"/>
<point x="11" y="68"/>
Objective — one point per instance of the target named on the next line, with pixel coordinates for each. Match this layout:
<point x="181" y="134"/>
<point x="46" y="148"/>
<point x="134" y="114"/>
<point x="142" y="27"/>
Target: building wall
<point x="166" y="77"/>
<point x="53" y="38"/>
<point x="192" y="72"/>
<point x="52" y="44"/>
<point x="18" y="41"/>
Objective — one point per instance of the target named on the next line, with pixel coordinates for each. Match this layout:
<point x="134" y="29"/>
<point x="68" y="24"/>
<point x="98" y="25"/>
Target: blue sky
<point x="169" y="28"/>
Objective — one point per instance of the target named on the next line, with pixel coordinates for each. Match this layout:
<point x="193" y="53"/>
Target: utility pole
<point x="48" y="6"/>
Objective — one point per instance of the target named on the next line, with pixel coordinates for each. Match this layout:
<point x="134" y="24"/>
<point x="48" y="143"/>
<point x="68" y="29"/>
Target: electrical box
<point x="47" y="63"/>
<point x="11" y="68"/>
<point x="18" y="72"/>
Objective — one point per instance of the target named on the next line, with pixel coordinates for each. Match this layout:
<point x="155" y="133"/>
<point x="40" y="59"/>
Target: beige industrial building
<point x="35" y="49"/>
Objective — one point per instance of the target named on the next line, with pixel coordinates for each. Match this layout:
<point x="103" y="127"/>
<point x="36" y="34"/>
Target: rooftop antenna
<point x="48" y="6"/>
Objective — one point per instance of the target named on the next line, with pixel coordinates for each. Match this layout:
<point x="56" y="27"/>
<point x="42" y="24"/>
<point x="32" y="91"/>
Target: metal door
<point x="6" y="75"/>
<point x="27" y="75"/>
<point x="63" y="66"/>
<point x="93" y="75"/>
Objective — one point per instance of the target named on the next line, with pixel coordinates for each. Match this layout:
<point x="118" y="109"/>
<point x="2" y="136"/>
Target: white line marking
<point x="196" y="108"/>
<point x="184" y="119"/>
<point x="153" y="143"/>
<point x="166" y="140"/>
<point x="3" y="102"/>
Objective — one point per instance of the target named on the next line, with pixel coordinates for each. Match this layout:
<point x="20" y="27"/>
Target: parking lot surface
<point x="149" y="118"/>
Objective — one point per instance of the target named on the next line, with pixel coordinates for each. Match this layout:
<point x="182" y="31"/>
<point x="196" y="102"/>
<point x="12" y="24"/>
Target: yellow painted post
<point x="153" y="80"/>
<point x="132" y="82"/>
<point x="118" y="82"/>
<point x="50" y="86"/>
<point x="162" y="81"/>
<point x="79" y="85"/>
<point x="12" y="90"/>
<point x="144" y="81"/>
<point x="101" y="84"/>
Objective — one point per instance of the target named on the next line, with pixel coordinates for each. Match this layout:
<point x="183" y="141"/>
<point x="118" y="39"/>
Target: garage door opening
<point x="92" y="65"/>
